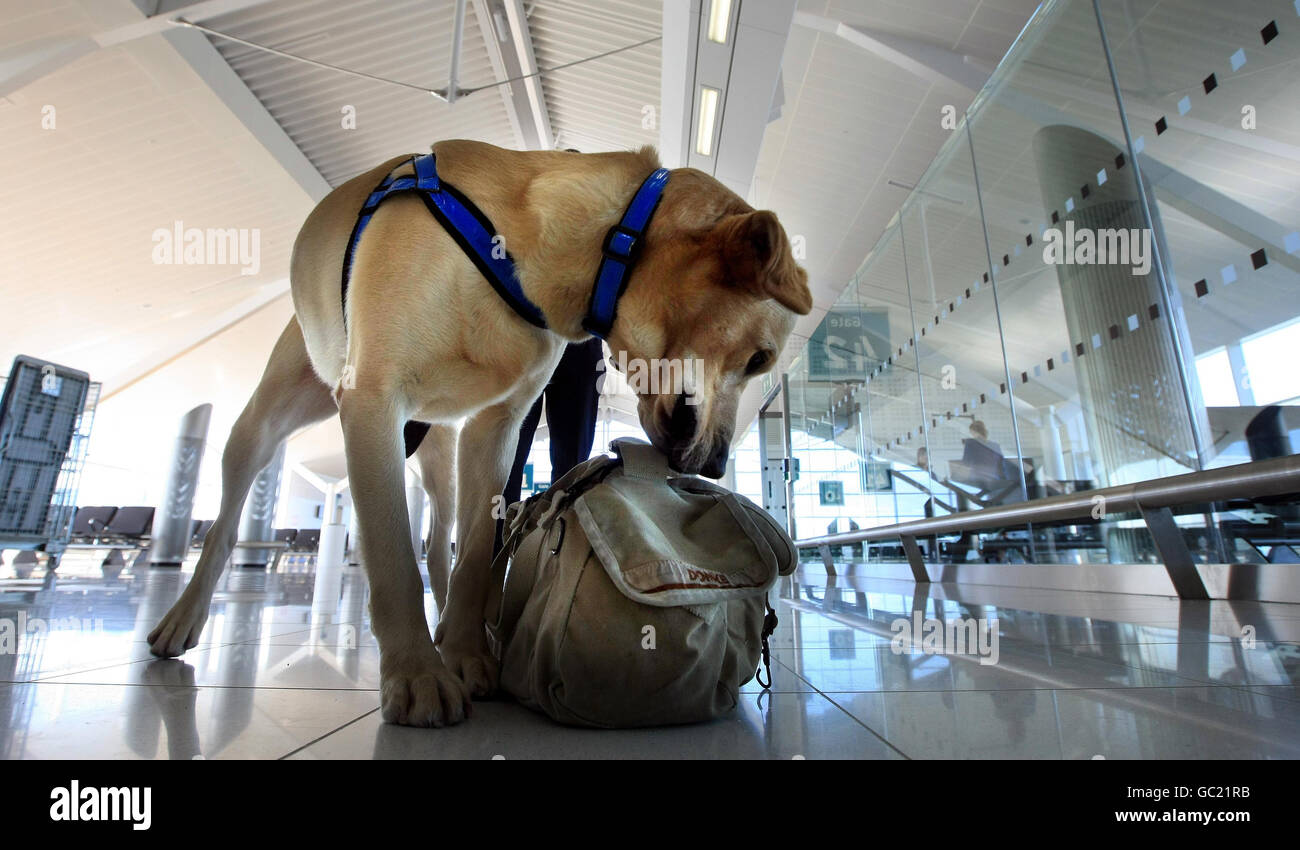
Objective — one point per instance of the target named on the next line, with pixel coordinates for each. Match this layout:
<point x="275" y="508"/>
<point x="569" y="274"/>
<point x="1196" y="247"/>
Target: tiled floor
<point x="287" y="667"/>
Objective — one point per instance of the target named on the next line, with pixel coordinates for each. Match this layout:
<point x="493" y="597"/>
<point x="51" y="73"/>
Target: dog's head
<point x="709" y="306"/>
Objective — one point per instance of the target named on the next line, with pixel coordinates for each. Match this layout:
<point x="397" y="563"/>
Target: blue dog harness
<point x="476" y="236"/>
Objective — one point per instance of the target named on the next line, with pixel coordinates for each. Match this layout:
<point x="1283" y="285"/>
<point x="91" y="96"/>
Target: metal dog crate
<point x="46" y="413"/>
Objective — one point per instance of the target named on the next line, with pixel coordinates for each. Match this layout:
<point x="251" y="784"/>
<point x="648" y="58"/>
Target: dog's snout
<point x="690" y="450"/>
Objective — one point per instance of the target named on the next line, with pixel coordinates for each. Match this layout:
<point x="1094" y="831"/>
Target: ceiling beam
<point x="308" y="476"/>
<point x="1176" y="188"/>
<point x="210" y="66"/>
<point x="534" y="118"/>
<point x="213" y="69"/>
<point x="23" y="64"/>
<point x="681" y="22"/>
<point x="1219" y="212"/>
<point x="121" y="22"/>
<point x="223" y="321"/>
<point x="928" y="61"/>
<point x="491" y="16"/>
<point x="746" y="70"/>
<point x="1137" y="105"/>
<point x="457" y="37"/>
<point x="26" y="63"/>
<point x="162" y="20"/>
<point x="124" y="22"/>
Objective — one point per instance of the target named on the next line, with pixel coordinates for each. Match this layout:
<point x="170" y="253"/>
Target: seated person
<point x="982" y="463"/>
<point x="980" y="431"/>
<point x="923" y="462"/>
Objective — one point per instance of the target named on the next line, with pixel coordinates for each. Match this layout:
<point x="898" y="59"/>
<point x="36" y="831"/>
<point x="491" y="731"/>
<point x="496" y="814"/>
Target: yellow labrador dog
<point x="426" y="338"/>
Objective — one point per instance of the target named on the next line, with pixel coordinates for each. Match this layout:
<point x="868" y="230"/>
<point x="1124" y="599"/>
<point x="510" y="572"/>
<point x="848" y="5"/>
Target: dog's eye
<point x="758" y="361"/>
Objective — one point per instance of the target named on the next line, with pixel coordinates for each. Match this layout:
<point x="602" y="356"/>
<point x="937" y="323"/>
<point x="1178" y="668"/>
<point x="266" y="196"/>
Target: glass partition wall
<point x="1094" y="283"/>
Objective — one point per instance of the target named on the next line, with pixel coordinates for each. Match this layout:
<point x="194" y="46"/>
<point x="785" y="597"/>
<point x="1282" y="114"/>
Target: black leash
<point x="769" y="626"/>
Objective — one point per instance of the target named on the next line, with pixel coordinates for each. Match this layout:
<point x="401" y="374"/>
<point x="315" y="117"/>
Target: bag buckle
<point x="560" y="542"/>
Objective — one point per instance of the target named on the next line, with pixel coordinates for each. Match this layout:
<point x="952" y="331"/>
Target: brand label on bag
<point x="705" y="578"/>
<point x="657" y="578"/>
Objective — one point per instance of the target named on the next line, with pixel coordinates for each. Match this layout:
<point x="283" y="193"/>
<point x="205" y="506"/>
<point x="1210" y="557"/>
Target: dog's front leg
<point x="289" y="396"/>
<point x="487" y="447"/>
<point x="416" y="688"/>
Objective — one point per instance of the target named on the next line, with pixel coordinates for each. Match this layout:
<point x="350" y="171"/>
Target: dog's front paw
<point x="179" y="630"/>
<point x="417" y="689"/>
<point x="473" y="663"/>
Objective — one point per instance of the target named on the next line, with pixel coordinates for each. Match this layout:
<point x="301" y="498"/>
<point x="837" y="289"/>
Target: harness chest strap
<point x="463" y="221"/>
<point x="476" y="236"/>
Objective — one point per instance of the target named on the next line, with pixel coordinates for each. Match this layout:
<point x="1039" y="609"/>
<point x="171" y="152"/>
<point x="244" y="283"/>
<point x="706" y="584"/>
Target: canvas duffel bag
<point x="628" y="595"/>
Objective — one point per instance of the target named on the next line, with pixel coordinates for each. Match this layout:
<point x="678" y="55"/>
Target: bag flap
<point x="787" y="556"/>
<point x="678" y="541"/>
<point x="642" y="460"/>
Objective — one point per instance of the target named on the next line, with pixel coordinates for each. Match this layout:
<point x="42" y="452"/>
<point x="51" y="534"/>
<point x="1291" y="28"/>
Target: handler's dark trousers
<point x="571" y="398"/>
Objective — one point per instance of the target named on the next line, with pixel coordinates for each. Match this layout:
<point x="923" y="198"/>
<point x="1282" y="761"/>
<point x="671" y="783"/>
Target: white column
<point x="171" y="525"/>
<point x="333" y="533"/>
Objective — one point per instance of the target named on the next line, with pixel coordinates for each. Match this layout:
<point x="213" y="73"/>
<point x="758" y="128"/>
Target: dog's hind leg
<point x="437" y="458"/>
<point x="289" y="396"/>
<point x="487" y="448"/>
<point x="415" y="687"/>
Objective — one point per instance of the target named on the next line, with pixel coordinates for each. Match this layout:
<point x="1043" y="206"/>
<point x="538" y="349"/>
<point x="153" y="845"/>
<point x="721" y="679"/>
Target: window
<point x="1270" y="361"/>
<point x="1215" y="373"/>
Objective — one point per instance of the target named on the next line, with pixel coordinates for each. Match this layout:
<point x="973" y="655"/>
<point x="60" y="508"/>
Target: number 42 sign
<point x="846" y="342"/>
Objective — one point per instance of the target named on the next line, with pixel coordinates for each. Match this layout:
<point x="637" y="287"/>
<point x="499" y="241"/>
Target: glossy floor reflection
<point x="287" y="667"/>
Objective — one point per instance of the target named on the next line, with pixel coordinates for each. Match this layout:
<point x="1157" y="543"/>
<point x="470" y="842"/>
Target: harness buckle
<point x="628" y="248"/>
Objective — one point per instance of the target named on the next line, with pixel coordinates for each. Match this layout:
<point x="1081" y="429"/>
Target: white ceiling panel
<point x="138" y="143"/>
<point x="599" y="105"/>
<point x="405" y="40"/>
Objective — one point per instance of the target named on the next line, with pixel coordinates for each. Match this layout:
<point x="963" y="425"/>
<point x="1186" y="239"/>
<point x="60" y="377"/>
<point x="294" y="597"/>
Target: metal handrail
<point x="1153" y="499"/>
<point x="261" y="544"/>
<point x="1275" y="477"/>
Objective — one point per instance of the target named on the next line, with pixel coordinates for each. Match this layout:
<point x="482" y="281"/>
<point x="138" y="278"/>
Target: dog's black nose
<point x="716" y="465"/>
<point x="683" y="422"/>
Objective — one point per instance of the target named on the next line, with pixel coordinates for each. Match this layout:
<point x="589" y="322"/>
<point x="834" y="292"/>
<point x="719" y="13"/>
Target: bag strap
<point x="642" y="460"/>
<point x="512" y="585"/>
<point x="769" y="626"/>
<point x="539" y="508"/>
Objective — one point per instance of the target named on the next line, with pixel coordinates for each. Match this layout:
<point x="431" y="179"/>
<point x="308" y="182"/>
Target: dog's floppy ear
<point x="757" y="256"/>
